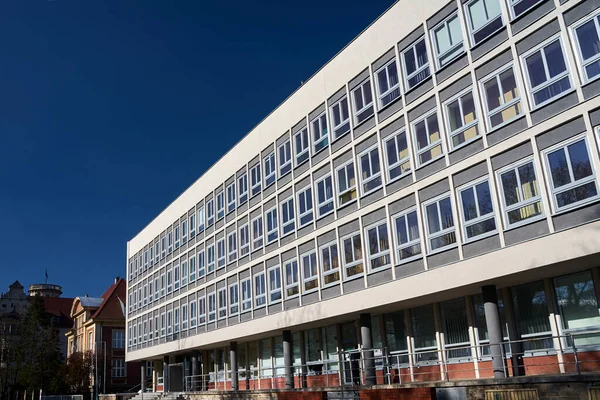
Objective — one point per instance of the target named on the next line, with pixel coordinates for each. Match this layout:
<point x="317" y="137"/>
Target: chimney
<point x="116" y="279"/>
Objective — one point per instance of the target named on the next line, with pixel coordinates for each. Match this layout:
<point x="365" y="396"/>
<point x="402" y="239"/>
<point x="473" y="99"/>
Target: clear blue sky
<point x="110" y="109"/>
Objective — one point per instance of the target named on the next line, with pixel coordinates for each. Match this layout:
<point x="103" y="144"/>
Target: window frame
<point x="210" y="266"/>
<point x="323" y="133"/>
<point x="201" y="219"/>
<point x="333" y="270"/>
<point x="192" y="225"/>
<point x="284" y="165"/>
<point x="246" y="303"/>
<point x="255" y="173"/>
<point x="270" y="169"/>
<point x="464" y="224"/>
<point x="234" y="304"/>
<point x="242" y="182"/>
<point x="258" y="295"/>
<point x="381" y="253"/>
<point x="459" y="47"/>
<point x="302" y="155"/>
<point x="274" y="290"/>
<point x="275" y="228"/>
<point x="220" y="198"/>
<point x="222" y="303"/>
<point x="389" y="167"/>
<point x="405" y="75"/>
<point x="244" y="247"/>
<point x="210" y="212"/>
<point x="354" y="261"/>
<point x="292" y="221"/>
<point x="442" y="231"/>
<point x="374" y="175"/>
<point x="506" y="105"/>
<point x="514" y="167"/>
<point x="193" y="314"/>
<point x="573" y="184"/>
<point x="344" y="166"/>
<point x="192" y="271"/>
<point x="466" y="126"/>
<point x="567" y="73"/>
<point x="398" y="247"/>
<point x="299" y="203"/>
<point x="327" y="201"/>
<point x="365" y="108"/>
<point x="232" y="253"/>
<point x="309" y="279"/>
<point x="231" y="202"/>
<point x="472" y="32"/>
<point x="511" y="5"/>
<point x="391" y="88"/>
<point x="201" y="263"/>
<point x="212" y="307"/>
<point x="260" y="238"/>
<point x="334" y="130"/>
<point x="430" y="145"/>
<point x="202" y="318"/>
<point x="581" y="63"/>
<point x="221" y="253"/>
<point x="296" y="283"/>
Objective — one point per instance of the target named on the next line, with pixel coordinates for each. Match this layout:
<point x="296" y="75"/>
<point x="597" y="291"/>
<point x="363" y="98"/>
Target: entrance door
<point x="350" y="354"/>
<point x="176" y="378"/>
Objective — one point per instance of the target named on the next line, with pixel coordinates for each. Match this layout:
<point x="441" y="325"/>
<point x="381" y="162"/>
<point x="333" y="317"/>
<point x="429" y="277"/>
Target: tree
<point x="77" y="372"/>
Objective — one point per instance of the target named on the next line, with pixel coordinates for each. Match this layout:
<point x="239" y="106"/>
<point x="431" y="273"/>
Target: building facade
<point x="99" y="330"/>
<point x="427" y="200"/>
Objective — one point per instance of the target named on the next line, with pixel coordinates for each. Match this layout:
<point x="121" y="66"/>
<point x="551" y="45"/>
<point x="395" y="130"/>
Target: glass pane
<point x="577" y="301"/>
<point x="523" y="213"/>
<point x="480" y="228"/>
<point x="401" y="230"/>
<point x="358" y="101"/>
<point x="580" y="161"/>
<point x="367" y="92"/>
<point x="423" y="329"/>
<point x="395" y="331"/>
<point x="409" y="61"/>
<point x="477" y="14"/>
<point x="382" y="81"/>
<point x="468" y="204"/>
<point x="552" y="90"/>
<point x="391" y="151"/>
<point x="421" y="134"/>
<point x="468" y="108"/>
<point x="589" y="42"/>
<point x="442" y="241"/>
<point x="421" y="52"/>
<point x="455" y="323"/>
<point x="484" y="198"/>
<point x="455" y="30"/>
<point x="509" y="86"/>
<point x="433" y="222"/>
<point x="536" y="70"/>
<point x="433" y="129"/>
<point x="555" y="59"/>
<point x="492" y="94"/>
<point x="559" y="168"/>
<point x="531" y="309"/>
<point x="446" y="213"/>
<point x="576" y="194"/>
<point x="413" y="226"/>
<point x="392" y="74"/>
<point x="442" y="39"/>
<point x="529" y="186"/>
<point x="454" y="116"/>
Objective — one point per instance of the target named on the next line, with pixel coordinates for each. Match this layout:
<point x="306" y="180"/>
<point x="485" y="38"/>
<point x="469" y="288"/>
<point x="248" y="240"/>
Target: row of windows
<point x="574" y="296"/>
<point x="546" y="73"/>
<point x="568" y="168"/>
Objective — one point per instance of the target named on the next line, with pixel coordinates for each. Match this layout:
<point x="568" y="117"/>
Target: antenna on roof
<point x="46" y="276"/>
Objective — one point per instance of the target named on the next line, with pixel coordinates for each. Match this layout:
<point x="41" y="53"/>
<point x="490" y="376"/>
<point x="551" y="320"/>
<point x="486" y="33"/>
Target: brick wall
<point x="424" y="393"/>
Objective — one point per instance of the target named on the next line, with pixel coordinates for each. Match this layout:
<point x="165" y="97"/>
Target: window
<point x="571" y="174"/>
<point x="193" y="315"/>
<point x="301" y="146"/>
<point x="397" y="156"/>
<point x="118" y="368"/>
<point x="260" y="298"/>
<point x="184" y="317"/>
<point x="477" y="210"/>
<point x="201" y="264"/>
<point x="305" y="206"/>
<point x="243" y="189"/>
<point x="145" y="260"/>
<point x="176" y="320"/>
<point x="192" y="225"/>
<point x="231" y="247"/>
<point x="170" y="242"/>
<point x="272" y="225"/>
<point x="244" y="240"/>
<point x="156" y="287"/>
<point x="309" y="268"/>
<point x="578" y="305"/>
<point x="169" y="280"/>
<point x="170" y="322"/>
<point x="163" y="325"/>
<point x="455" y="328"/>
<point x="184" y="232"/>
<point x="388" y="84"/>
<point x="201" y="219"/>
<point x="220" y="205"/>
<point x="176" y="230"/>
<point x="320" y="133"/>
<point x="330" y="264"/>
<point x="211" y="258"/>
<point x="415" y="63"/>
<point x="201" y="311"/>
<point x="291" y="278"/>
<point x="370" y="170"/>
<point x="156" y="327"/>
<point x="501" y="97"/>
<point x="233" y="299"/>
<point x="274" y="284"/>
<point x="118" y="339"/>
<point x="484" y="17"/>
<point x="340" y="117"/>
<point x="378" y="246"/>
<point x="362" y="101"/>
<point x="212" y="307"/>
<point x="518" y="7"/>
<point x="176" y="277"/>
<point x="257" y="233"/>
<point x="231" y="197"/>
<point x="546" y="72"/>
<point x="184" y="273"/>
<point x="210" y="212"/>
<point x="439" y="222"/>
<point x="222" y="303"/>
<point x="346" y="183"/>
<point x="220" y="253"/>
<point x="145" y="297"/>
<point x="151" y="255"/>
<point x="287" y="216"/>
<point x="448" y="41"/>
<point x="531" y="315"/>
<point x="246" y="295"/>
<point x="521" y="200"/>
<point x="162" y="285"/>
<point x="428" y="139"/>
<point x="285" y="158"/>
<point x="587" y="39"/>
<point x="424" y="333"/>
<point x="192" y="269"/>
<point x="406" y="230"/>
<point x="324" y="196"/>
<point x="269" y="169"/>
<point x="461" y="119"/>
<point x="353" y="255"/>
<point x="156" y="252"/>
<point x="255" y="179"/>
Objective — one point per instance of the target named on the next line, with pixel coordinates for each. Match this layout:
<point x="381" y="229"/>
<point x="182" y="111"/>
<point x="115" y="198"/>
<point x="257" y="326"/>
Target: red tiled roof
<point x="60" y="307"/>
<point x="111" y="306"/>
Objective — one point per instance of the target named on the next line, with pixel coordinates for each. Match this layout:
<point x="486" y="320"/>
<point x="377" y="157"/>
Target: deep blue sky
<point x="110" y="109"/>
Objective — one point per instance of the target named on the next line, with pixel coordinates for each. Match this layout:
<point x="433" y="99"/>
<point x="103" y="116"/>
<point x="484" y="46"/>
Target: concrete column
<point x="494" y="328"/>
<point x="165" y="374"/>
<point x="143" y="377"/>
<point x="367" y="345"/>
<point x="195" y="372"/>
<point x="233" y="360"/>
<point x="288" y="359"/>
<point x="516" y="348"/>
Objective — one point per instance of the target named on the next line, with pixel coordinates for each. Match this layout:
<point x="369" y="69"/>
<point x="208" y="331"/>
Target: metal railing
<point x="571" y="353"/>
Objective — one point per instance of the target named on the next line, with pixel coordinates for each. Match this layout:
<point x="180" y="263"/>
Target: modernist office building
<point x="430" y="192"/>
